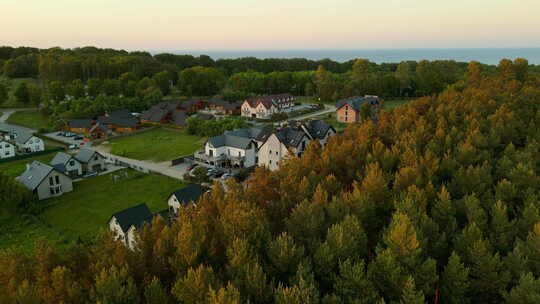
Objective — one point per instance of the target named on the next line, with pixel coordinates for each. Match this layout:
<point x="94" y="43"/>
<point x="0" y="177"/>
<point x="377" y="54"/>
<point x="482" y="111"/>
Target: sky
<point x="270" y="24"/>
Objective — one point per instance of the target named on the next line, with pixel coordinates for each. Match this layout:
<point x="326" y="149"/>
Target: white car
<point x="226" y="175"/>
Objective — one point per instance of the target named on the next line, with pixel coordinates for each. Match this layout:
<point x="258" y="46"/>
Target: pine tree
<point x="526" y="292"/>
<point x="115" y="286"/>
<point x="352" y="284"/>
<point x="410" y="295"/>
<point x="193" y="288"/>
<point x="154" y="293"/>
<point x="228" y="295"/>
<point x="455" y="281"/>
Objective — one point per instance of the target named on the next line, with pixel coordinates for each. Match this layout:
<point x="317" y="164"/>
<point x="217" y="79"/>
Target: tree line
<point x="436" y="201"/>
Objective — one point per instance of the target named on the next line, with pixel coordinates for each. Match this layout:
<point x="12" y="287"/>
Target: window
<point x="52" y="191"/>
<point x="270" y="162"/>
<point x="276" y="152"/>
<point x="57" y="178"/>
<point x="96" y="157"/>
<point x="51" y="180"/>
<point x="270" y="151"/>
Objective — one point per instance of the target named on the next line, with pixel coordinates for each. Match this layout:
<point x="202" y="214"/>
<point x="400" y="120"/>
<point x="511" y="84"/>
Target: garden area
<point x="157" y="145"/>
<point x="17" y="167"/>
<point x="86" y="211"/>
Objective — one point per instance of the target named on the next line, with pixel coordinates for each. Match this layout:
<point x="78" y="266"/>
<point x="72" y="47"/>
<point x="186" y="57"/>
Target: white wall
<point x="74" y="165"/>
<point x="95" y="160"/>
<point x="44" y="189"/>
<point x="6" y="149"/>
<point x="272" y="152"/>
<point x="34" y="144"/>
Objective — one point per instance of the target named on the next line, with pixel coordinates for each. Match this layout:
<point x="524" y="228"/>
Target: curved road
<point x="6" y="113"/>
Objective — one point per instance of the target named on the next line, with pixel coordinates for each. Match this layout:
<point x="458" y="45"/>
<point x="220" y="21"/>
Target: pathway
<point x="327" y="109"/>
<point x="6" y="113"/>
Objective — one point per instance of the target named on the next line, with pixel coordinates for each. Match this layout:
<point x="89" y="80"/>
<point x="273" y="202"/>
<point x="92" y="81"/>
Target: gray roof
<point x="179" y="118"/>
<point x="85" y="155"/>
<point x="134" y="216"/>
<point x="259" y="133"/>
<point x="35" y="174"/>
<point x="318" y="128"/>
<point x="230" y="141"/>
<point x="290" y="136"/>
<point x="357" y="101"/>
<point x="60" y="158"/>
<point x="23" y="137"/>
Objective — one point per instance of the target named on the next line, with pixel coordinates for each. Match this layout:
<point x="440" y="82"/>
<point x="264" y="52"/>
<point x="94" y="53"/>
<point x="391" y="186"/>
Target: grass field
<point x="16" y="168"/>
<point x="29" y="119"/>
<point x="87" y="209"/>
<point x="24" y="231"/>
<point x="156" y="145"/>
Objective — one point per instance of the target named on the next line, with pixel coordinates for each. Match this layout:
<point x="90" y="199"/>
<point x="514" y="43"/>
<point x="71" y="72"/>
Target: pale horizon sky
<point x="270" y="25"/>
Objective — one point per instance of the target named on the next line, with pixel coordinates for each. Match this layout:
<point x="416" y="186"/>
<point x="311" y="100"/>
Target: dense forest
<point x="436" y="201"/>
<point x="83" y="82"/>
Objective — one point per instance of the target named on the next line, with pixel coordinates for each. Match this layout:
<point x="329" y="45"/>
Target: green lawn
<point x="30" y="119"/>
<point x="24" y="231"/>
<point x="157" y="145"/>
<point x="88" y="208"/>
<point x="391" y="104"/>
<point x="16" y="168"/>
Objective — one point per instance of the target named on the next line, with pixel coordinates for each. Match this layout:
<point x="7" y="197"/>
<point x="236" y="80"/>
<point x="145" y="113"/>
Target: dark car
<point x="219" y="174"/>
<point x="78" y="138"/>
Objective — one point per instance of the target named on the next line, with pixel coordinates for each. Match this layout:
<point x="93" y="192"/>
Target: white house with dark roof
<point x="7" y="149"/>
<point x="45" y="181"/>
<point x="29" y="143"/>
<point x="67" y="164"/>
<point x="265" y="106"/>
<point x="124" y="224"/>
<point x="91" y="160"/>
<point x="236" y="148"/>
<point x="292" y="141"/>
<point x="184" y="196"/>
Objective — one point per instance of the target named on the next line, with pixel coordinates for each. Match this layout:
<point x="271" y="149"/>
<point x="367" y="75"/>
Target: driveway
<point x="327" y="109"/>
<point x="63" y="139"/>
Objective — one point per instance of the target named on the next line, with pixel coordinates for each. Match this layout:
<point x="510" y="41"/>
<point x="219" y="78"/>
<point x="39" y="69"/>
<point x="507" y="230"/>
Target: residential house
<point x="45" y="181"/>
<point x="192" y="105"/>
<point x="265" y="106"/>
<point x="67" y="164"/>
<point x="224" y="107"/>
<point x="92" y="161"/>
<point x="236" y="148"/>
<point x="99" y="130"/>
<point x="184" y="196"/>
<point x="7" y="149"/>
<point x="121" y="121"/>
<point x="124" y="224"/>
<point x="165" y="113"/>
<point x="349" y="110"/>
<point x="292" y="141"/>
<point x="28" y="143"/>
<point x="80" y="125"/>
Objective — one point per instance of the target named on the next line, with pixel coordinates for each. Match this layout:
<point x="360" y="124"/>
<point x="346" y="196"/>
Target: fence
<point x="30" y="155"/>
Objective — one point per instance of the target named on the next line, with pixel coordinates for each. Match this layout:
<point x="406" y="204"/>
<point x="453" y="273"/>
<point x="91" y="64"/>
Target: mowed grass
<point x="16" y="168"/>
<point x="23" y="232"/>
<point x="30" y="119"/>
<point x="86" y="210"/>
<point x="157" y="145"/>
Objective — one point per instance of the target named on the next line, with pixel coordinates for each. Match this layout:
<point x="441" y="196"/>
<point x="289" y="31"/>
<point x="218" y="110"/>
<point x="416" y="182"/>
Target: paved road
<point x="327" y="109"/>
<point x="6" y="113"/>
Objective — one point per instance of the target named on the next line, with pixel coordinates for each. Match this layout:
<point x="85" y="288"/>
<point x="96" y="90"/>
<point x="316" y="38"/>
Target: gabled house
<point x="349" y="110"/>
<point x="67" y="164"/>
<point x="7" y="149"/>
<point x="192" y="105"/>
<point x="184" y="196"/>
<point x="224" y="107"/>
<point x="45" y="181"/>
<point x="79" y="125"/>
<point x="165" y="113"/>
<point x="121" y="121"/>
<point x="99" y="131"/>
<point x="92" y="161"/>
<point x="236" y="148"/>
<point x="292" y="141"/>
<point x="265" y="106"/>
<point x="29" y="143"/>
<point x="124" y="224"/>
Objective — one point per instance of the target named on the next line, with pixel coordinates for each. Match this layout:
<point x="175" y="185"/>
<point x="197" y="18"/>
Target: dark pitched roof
<point x="357" y="101"/>
<point x="134" y="216"/>
<point x="85" y="155"/>
<point x="125" y="122"/>
<point x="229" y="141"/>
<point x="259" y="133"/>
<point x="270" y="100"/>
<point x="188" y="194"/>
<point x="100" y="127"/>
<point x="80" y="123"/>
<point x="318" y="128"/>
<point x="178" y="118"/>
<point x="60" y="158"/>
<point x="290" y="137"/>
<point x="23" y="137"/>
<point x="204" y="116"/>
<point x="121" y="114"/>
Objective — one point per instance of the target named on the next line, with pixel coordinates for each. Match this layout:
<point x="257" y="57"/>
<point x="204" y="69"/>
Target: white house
<point x="124" y="224"/>
<point x="292" y="141"/>
<point x="184" y="196"/>
<point x="29" y="143"/>
<point x="7" y="149"/>
<point x="265" y="106"/>
<point x="92" y="161"/>
<point x="67" y="164"/>
<point x="236" y="148"/>
<point x="45" y="181"/>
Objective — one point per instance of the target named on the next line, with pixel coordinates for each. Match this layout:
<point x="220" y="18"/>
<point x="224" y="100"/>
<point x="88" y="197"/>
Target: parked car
<point x="226" y="175"/>
<point x="69" y="134"/>
<point x="82" y="143"/>
<point x="219" y="174"/>
<point x="78" y="137"/>
<point x="61" y="133"/>
<point x="192" y="167"/>
<point x="72" y="147"/>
